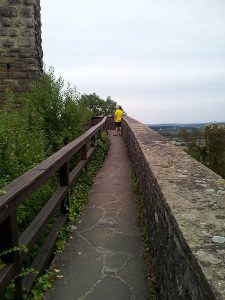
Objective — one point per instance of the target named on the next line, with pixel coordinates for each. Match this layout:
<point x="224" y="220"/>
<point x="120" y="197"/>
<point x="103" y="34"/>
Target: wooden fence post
<point x="93" y="140"/>
<point x="64" y="181"/>
<point x="9" y="239"/>
<point x="83" y="154"/>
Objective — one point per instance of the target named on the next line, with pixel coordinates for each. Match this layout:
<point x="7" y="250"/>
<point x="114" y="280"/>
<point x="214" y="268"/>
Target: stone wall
<point x="184" y="205"/>
<point x="20" y="44"/>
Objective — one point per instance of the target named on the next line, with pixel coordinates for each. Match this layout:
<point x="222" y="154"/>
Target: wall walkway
<point x="104" y="259"/>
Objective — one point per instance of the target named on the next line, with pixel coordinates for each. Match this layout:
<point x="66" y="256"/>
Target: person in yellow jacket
<point x="118" y="119"/>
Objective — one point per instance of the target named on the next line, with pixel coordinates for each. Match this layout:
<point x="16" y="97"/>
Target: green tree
<point x="191" y="137"/>
<point x="35" y="125"/>
<point x="57" y="109"/>
<point x="215" y="147"/>
<point x="98" y="106"/>
<point x="22" y="143"/>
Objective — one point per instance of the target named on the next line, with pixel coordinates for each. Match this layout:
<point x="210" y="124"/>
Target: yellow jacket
<point x="118" y="115"/>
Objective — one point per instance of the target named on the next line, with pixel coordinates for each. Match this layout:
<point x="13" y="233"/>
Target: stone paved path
<point x="103" y="261"/>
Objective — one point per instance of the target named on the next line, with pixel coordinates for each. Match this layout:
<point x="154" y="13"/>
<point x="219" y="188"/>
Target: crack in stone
<point x="91" y="289"/>
<point x="107" y="272"/>
<point x="131" y="288"/>
<point x="89" y="243"/>
<point x="115" y="270"/>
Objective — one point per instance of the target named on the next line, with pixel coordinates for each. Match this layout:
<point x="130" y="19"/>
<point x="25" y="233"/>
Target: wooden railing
<point x="23" y="187"/>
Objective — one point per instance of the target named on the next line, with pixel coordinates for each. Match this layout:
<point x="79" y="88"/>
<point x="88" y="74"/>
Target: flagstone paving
<point x="104" y="259"/>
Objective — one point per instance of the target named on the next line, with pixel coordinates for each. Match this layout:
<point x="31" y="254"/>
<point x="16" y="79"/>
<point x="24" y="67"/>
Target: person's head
<point x="118" y="107"/>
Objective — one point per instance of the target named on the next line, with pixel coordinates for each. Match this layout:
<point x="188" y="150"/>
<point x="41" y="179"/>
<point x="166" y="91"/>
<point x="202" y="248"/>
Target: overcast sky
<point x="162" y="60"/>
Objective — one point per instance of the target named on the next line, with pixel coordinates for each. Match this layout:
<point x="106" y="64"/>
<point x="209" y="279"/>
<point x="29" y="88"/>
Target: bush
<point x="22" y="144"/>
<point x="58" y="111"/>
<point x="215" y="147"/>
<point x="32" y="127"/>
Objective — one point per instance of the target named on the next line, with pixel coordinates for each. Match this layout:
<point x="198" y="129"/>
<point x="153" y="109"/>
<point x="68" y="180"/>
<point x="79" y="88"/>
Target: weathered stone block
<point x="28" y="2"/>
<point x="8" y="11"/>
<point x="26" y="54"/>
<point x="3" y="32"/>
<point x="6" y="22"/>
<point x="19" y="75"/>
<point x="3" y="67"/>
<point x="7" y="43"/>
<point x="32" y="61"/>
<point x="6" y="67"/>
<point x="15" y="1"/>
<point x="30" y="23"/>
<point x="26" y="12"/>
<point x="28" y="43"/>
<point x="24" y="67"/>
<point x="14" y="50"/>
<point x="12" y="32"/>
<point x="10" y="56"/>
<point x="6" y="75"/>
<point x="7" y="82"/>
<point x="19" y="23"/>
<point x="27" y="34"/>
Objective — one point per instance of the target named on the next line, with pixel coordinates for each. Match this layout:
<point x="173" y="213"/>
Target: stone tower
<point x="20" y="44"/>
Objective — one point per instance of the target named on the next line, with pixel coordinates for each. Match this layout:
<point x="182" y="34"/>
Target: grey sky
<point x="162" y="60"/>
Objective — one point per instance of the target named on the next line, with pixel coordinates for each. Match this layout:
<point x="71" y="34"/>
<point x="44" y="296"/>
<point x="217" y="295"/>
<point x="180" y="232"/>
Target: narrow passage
<point x="103" y="260"/>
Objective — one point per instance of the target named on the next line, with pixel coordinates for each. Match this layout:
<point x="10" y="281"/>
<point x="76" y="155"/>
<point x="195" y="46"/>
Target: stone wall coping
<point x="195" y="195"/>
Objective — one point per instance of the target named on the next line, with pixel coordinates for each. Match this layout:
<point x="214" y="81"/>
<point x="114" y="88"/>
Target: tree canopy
<point x="98" y="106"/>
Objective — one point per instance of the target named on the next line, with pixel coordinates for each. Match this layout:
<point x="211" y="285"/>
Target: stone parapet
<point x="184" y="205"/>
<point x="20" y="44"/>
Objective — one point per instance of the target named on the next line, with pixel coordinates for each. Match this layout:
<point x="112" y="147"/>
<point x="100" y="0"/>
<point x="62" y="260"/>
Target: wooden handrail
<point x="23" y="187"/>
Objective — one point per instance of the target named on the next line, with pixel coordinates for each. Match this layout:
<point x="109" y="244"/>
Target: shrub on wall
<point x="34" y="126"/>
<point x="48" y="117"/>
<point x="58" y="110"/>
<point x="22" y="143"/>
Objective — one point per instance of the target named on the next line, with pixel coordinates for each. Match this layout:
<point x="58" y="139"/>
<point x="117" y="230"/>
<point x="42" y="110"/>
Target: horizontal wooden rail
<point x="6" y="275"/>
<point x="23" y="187"/>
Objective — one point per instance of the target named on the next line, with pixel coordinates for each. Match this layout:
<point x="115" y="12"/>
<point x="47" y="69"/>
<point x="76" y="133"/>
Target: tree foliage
<point x="35" y="125"/>
<point x="49" y="116"/>
<point x="215" y="147"/>
<point x="212" y="151"/>
<point x="58" y="109"/>
<point x="192" y="138"/>
<point x="32" y="127"/>
<point x="98" y="106"/>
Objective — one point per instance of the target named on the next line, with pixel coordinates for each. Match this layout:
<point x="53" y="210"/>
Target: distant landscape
<point x="173" y="130"/>
<point x="203" y="141"/>
<point x="179" y="125"/>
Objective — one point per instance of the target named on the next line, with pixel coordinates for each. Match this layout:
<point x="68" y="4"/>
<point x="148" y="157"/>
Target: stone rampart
<point x="20" y="44"/>
<point x="184" y="205"/>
